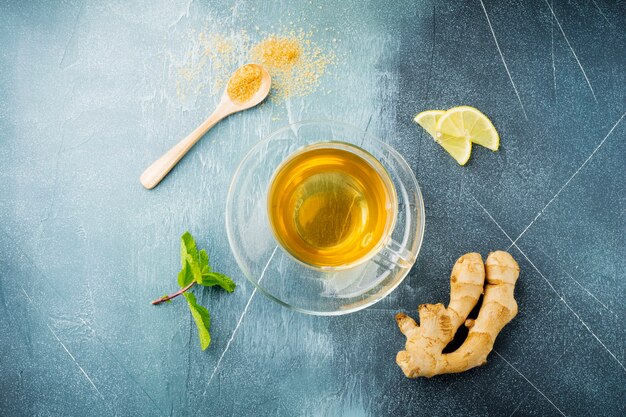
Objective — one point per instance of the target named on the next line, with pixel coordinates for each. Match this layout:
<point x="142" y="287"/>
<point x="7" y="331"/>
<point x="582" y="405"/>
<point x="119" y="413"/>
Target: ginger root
<point x="423" y="355"/>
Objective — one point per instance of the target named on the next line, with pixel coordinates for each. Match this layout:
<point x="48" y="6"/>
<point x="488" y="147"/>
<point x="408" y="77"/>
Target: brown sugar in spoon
<point x="247" y="87"/>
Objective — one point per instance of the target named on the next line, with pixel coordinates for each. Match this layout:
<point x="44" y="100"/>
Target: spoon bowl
<point x="227" y="106"/>
<point x="258" y="97"/>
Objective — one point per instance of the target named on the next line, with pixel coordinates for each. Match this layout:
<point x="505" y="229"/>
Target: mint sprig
<point x="196" y="270"/>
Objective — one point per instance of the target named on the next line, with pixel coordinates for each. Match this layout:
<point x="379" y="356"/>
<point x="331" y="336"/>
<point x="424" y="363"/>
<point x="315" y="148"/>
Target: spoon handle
<point x="162" y="166"/>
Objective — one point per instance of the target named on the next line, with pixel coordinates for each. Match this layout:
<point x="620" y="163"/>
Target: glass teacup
<point x="348" y="230"/>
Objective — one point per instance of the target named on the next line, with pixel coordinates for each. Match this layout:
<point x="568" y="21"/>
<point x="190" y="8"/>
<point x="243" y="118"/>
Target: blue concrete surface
<point x="88" y="100"/>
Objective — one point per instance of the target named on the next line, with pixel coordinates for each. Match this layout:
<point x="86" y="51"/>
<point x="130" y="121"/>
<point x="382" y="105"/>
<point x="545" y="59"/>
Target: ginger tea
<point x="331" y="205"/>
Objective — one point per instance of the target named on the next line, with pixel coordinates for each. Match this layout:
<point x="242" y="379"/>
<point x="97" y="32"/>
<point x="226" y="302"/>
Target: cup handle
<point x="393" y="255"/>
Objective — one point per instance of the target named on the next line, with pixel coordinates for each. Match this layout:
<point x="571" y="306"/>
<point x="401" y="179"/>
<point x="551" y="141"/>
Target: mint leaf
<point x="196" y="273"/>
<point x="201" y="317"/>
<point x="203" y="260"/>
<point x="187" y="247"/>
<point x="215" y="278"/>
<point x="185" y="276"/>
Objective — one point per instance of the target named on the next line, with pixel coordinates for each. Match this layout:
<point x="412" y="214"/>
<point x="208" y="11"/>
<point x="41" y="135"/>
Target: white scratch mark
<point x="68" y="352"/>
<point x="232" y="336"/>
<point x="26" y="294"/>
<point x="600" y="11"/>
<point x="588" y="292"/>
<point x="75" y="361"/>
<point x="531" y="384"/>
<point x="183" y="14"/>
<point x="568" y="181"/>
<point x="290" y="118"/>
<point x="566" y="273"/>
<point x="234" y="11"/>
<point x="573" y="52"/>
<point x="523" y="400"/>
<point x="105" y="347"/>
<point x="71" y="39"/>
<point x="570" y="309"/>
<point x="493" y="220"/>
<point x="552" y="287"/>
<point x="503" y="61"/>
<point x="84" y="142"/>
<point x="102" y="343"/>
<point x="580" y="285"/>
<point x="552" y="49"/>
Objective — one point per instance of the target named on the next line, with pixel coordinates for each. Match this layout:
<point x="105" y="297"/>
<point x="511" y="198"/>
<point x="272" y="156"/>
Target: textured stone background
<point x="88" y="100"/>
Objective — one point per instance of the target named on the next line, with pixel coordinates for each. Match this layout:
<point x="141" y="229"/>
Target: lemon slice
<point x="459" y="148"/>
<point x="428" y="120"/>
<point x="469" y="123"/>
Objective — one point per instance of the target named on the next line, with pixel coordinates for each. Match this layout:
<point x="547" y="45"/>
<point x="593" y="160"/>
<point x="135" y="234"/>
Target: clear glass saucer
<point x="283" y="278"/>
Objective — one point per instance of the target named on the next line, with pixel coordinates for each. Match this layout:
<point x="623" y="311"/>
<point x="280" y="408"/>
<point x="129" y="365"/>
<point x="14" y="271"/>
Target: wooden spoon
<point x="160" y="168"/>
